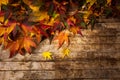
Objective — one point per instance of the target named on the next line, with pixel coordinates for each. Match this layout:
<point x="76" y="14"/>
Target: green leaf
<point x="83" y="24"/>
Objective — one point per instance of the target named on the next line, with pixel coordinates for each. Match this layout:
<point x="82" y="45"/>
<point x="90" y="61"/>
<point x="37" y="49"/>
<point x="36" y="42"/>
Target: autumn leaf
<point x="39" y="16"/>
<point x="91" y="2"/>
<point x="26" y="29"/>
<point x="47" y="55"/>
<point x="62" y="37"/>
<point x="4" y="2"/>
<point x="11" y="26"/>
<point x="60" y="6"/>
<point x="37" y="34"/>
<point x="7" y="29"/>
<point x="75" y="30"/>
<point x="45" y="27"/>
<point x="42" y="31"/>
<point x="1" y="17"/>
<point x="109" y="2"/>
<point x="27" y="43"/>
<point x="87" y="15"/>
<point x="2" y="30"/>
<point x="71" y="21"/>
<point x="14" y="47"/>
<point x="1" y="40"/>
<point x="54" y="19"/>
<point x="66" y="52"/>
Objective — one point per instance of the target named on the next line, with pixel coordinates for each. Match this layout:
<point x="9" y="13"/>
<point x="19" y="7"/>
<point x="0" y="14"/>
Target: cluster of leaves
<point x="25" y="23"/>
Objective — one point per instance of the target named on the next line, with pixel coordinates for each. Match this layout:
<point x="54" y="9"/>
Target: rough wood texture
<point x="96" y="56"/>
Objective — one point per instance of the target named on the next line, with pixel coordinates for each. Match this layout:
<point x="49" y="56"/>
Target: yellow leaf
<point x="47" y="55"/>
<point x="52" y="20"/>
<point x="4" y="2"/>
<point x="2" y="30"/>
<point x="28" y="2"/>
<point x="39" y="16"/>
<point x="34" y="8"/>
<point x="1" y="18"/>
<point x="109" y="2"/>
<point x="66" y="52"/>
<point x="1" y="40"/>
<point x="86" y="15"/>
<point x="91" y="2"/>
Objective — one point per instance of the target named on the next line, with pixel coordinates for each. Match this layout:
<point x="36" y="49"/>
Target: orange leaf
<point x="27" y="44"/>
<point x="11" y="27"/>
<point x="76" y="30"/>
<point x="26" y="29"/>
<point x="62" y="37"/>
<point x="14" y="47"/>
<point x="3" y="2"/>
<point x="7" y="29"/>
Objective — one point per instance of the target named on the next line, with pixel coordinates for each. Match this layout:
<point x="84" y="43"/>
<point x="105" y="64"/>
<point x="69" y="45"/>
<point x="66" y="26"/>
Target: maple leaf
<point x="42" y="31"/>
<point x="47" y="55"/>
<point x="53" y="20"/>
<point x="7" y="29"/>
<point x="71" y="21"/>
<point x="66" y="52"/>
<point x="26" y="44"/>
<point x="109" y="2"/>
<point x="37" y="34"/>
<point x="26" y="29"/>
<point x="91" y="2"/>
<point x="62" y="37"/>
<point x="60" y="7"/>
<point x="1" y="40"/>
<point x="14" y="47"/>
<point x="76" y="30"/>
<point x="2" y="30"/>
<point x="1" y="17"/>
<point x="11" y="26"/>
<point x="86" y="15"/>
<point x="4" y="2"/>
<point x="39" y="16"/>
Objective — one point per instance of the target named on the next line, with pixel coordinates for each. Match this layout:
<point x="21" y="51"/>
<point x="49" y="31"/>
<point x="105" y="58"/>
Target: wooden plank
<point x="59" y="65"/>
<point x="19" y="66"/>
<point x="93" y="74"/>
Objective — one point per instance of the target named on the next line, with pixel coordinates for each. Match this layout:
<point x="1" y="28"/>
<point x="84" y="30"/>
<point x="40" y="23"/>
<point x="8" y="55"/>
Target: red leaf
<point x="14" y="47"/>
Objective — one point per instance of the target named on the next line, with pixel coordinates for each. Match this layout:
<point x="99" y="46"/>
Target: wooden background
<point x="96" y="56"/>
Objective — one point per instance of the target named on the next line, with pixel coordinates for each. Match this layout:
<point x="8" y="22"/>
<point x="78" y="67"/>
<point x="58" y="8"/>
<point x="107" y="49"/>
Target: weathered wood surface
<point x="96" y="56"/>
